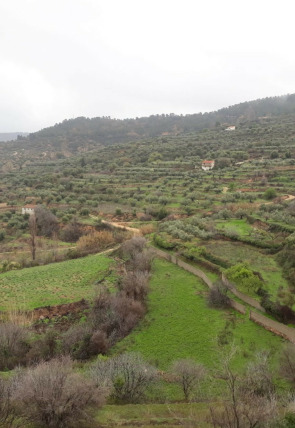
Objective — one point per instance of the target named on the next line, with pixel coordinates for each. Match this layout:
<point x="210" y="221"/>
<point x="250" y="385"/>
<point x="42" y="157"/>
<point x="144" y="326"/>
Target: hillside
<point x="234" y="225"/>
<point x="84" y="134"/>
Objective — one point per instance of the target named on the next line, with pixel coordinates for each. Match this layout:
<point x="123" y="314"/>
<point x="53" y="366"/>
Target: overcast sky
<point x="126" y="58"/>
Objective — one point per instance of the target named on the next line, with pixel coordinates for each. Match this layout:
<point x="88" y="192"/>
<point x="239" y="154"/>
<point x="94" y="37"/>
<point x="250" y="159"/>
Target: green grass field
<point x="51" y="284"/>
<point x="179" y="324"/>
<point x="239" y="226"/>
<point x="237" y="252"/>
<point x="151" y="415"/>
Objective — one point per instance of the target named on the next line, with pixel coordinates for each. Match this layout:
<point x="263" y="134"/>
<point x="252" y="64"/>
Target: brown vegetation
<point x="95" y="241"/>
<point x="53" y="396"/>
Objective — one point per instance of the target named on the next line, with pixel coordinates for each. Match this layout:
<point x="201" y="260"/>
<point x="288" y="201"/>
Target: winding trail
<point x="135" y="231"/>
<point x="275" y="327"/>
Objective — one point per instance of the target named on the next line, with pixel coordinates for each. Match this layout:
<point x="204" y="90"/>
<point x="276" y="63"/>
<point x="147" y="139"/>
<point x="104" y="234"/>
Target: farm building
<point x="208" y="164"/>
<point x="230" y="128"/>
<point x="28" y="209"/>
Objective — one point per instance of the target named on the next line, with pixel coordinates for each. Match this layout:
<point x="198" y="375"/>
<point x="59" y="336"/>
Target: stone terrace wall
<point x="274" y="326"/>
<point x="247" y="299"/>
<point x="185" y="266"/>
<point x="195" y="271"/>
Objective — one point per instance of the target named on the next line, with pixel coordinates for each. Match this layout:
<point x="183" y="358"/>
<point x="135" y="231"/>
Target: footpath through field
<point x="267" y="323"/>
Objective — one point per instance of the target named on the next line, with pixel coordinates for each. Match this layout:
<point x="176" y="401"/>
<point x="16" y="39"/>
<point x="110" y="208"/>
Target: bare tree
<point x="33" y="234"/>
<point x="287" y="363"/>
<point x="115" y="315"/>
<point x="134" y="285"/>
<point x="251" y="401"/>
<point x="52" y="395"/>
<point x="127" y="376"/>
<point x="188" y="374"/>
<point x="141" y="261"/>
<point x="259" y="379"/>
<point x="133" y="246"/>
<point x="229" y="417"/>
<point x="8" y="412"/>
<point x="13" y="345"/>
<point x="127" y="314"/>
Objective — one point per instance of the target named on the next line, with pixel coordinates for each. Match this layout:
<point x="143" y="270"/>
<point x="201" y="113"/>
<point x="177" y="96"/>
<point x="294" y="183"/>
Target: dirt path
<point x="268" y="324"/>
<point x="135" y="231"/>
<point x="289" y="198"/>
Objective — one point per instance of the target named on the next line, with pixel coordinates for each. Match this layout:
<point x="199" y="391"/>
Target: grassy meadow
<point x="52" y="284"/>
<point x="179" y="324"/>
<point x="266" y="264"/>
<point x="150" y="415"/>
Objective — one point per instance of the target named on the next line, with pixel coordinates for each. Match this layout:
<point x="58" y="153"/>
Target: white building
<point x="28" y="209"/>
<point x="207" y="165"/>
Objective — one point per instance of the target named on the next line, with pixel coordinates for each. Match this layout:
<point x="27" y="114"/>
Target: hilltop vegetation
<point x="83" y="134"/>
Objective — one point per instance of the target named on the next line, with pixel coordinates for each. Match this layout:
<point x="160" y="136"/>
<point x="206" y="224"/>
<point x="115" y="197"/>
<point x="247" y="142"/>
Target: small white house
<point x="230" y="128"/>
<point x="207" y="165"/>
<point x="28" y="209"/>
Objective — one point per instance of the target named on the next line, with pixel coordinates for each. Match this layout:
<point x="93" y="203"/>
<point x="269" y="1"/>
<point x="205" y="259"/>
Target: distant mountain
<point x="9" y="136"/>
<point x="82" y="134"/>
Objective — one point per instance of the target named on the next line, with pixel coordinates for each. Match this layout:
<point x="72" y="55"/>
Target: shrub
<point x="127" y="376"/>
<point x="282" y="313"/>
<point x="146" y="229"/>
<point x="98" y="343"/>
<point x="44" y="348"/>
<point x="287" y="363"/>
<point x="160" y="241"/>
<point x="133" y="246"/>
<point x="8" y="414"/>
<point x="52" y="395"/>
<point x="84" y="212"/>
<point x="270" y="194"/>
<point x="46" y="221"/>
<point x="217" y="297"/>
<point x="141" y="261"/>
<point x="242" y="275"/>
<point x="13" y="345"/>
<point x="127" y="314"/>
<point x="134" y="285"/>
<point x="95" y="241"/>
<point x="76" y="341"/>
<point x="115" y="315"/>
<point x="72" y="232"/>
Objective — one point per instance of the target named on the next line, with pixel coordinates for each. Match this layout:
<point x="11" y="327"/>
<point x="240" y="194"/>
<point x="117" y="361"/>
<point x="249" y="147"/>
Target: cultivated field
<point x="180" y="324"/>
<point x="52" y="284"/>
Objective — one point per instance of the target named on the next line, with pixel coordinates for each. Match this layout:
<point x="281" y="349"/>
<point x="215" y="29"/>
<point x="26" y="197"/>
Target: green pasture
<point x="240" y="226"/>
<point x="179" y="324"/>
<point x="52" y="284"/>
<point x="150" y="415"/>
<point x="266" y="264"/>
